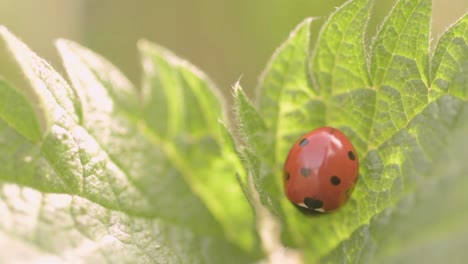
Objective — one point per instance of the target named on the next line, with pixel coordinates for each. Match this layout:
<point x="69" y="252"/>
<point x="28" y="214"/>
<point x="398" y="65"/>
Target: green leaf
<point x="339" y="63"/>
<point x="431" y="214"/>
<point x="399" y="67"/>
<point x="186" y="123"/>
<point x="254" y="133"/>
<point x="450" y="62"/>
<point x="99" y="184"/>
<point x="184" y="99"/>
<point x="40" y="78"/>
<point x="16" y="111"/>
<point x="401" y="116"/>
<point x="284" y="92"/>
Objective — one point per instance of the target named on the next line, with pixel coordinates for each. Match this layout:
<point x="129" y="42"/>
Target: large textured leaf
<point x="181" y="110"/>
<point x="85" y="176"/>
<point x="406" y="119"/>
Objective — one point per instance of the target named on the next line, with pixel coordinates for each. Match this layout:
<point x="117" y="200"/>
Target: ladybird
<point x="321" y="170"/>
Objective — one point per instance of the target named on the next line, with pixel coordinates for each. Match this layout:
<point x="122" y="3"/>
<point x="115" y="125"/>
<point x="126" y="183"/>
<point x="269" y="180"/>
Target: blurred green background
<point x="226" y="39"/>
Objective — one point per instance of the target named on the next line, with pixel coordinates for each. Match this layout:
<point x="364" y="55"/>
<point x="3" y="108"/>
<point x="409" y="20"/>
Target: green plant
<point x="104" y="171"/>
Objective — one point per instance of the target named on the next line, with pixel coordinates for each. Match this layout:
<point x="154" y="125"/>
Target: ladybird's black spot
<point x="335" y="180"/>
<point x="305" y="172"/>
<point x="287" y="176"/>
<point x="303" y="142"/>
<point x="351" y="155"/>
<point x="313" y="203"/>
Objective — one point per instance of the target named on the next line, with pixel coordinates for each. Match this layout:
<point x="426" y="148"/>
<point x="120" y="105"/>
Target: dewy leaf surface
<point x="400" y="112"/>
<point x="96" y="185"/>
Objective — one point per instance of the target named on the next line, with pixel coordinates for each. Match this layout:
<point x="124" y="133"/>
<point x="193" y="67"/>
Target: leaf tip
<point x="143" y="44"/>
<point x="5" y="33"/>
<point x="236" y="85"/>
<point x="304" y="24"/>
<point x="238" y="91"/>
<point x="3" y="29"/>
<point x="7" y="36"/>
<point x="62" y="43"/>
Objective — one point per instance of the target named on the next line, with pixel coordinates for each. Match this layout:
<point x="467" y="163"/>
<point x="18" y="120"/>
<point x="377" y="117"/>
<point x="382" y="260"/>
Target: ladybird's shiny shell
<point x="321" y="170"/>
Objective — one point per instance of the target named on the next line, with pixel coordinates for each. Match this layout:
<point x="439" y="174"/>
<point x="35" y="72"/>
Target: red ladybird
<point x="321" y="170"/>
